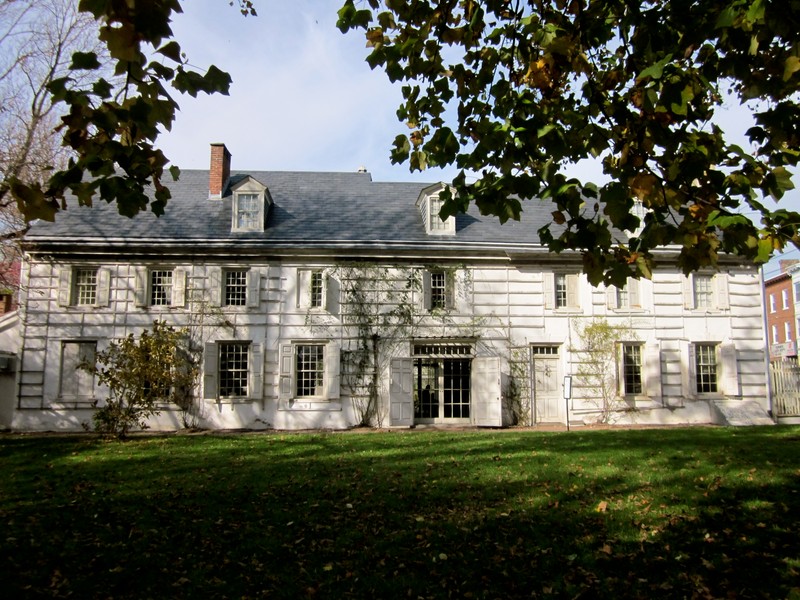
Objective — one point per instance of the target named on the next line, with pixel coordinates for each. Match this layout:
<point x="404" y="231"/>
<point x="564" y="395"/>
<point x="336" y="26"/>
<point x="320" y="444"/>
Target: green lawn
<point x="701" y="512"/>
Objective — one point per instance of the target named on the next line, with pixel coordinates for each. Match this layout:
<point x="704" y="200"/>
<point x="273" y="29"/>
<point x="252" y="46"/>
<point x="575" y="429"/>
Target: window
<point x="706" y="368"/>
<point x="797" y="292"/>
<point x="626" y="297"/>
<point x="235" y="287"/>
<point x="774" y="334"/>
<point x="248" y="212"/>
<point x="772" y="303"/>
<point x="438" y="289"/>
<point x="785" y="298"/>
<point x="434" y="208"/>
<point x="309" y="370"/>
<point x="233" y="369"/>
<point x="787" y="331"/>
<point x="561" y="290"/>
<point x="317" y="289"/>
<point x="429" y="204"/>
<point x="441" y="381"/>
<point x="86" y="287"/>
<point x="160" y="288"/>
<point x="632" y="369"/>
<point x="703" y="291"/>
<point x="77" y="383"/>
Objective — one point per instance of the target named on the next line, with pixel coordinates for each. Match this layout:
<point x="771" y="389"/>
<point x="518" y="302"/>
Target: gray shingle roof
<point x="309" y="208"/>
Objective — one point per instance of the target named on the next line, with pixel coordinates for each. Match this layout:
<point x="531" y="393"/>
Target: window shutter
<point x="721" y="290"/>
<point x="486" y="392"/>
<point x="549" y="290"/>
<point x="729" y="381"/>
<point x="253" y="288"/>
<point x="688" y="292"/>
<point x="303" y="288"/>
<point x="688" y="386"/>
<point x="140" y="287"/>
<point x="215" y="285"/>
<point x="450" y="291"/>
<point x="286" y="370"/>
<point x="331" y="294"/>
<point x="178" y="287"/>
<point x="611" y="297"/>
<point x="210" y="371"/>
<point x="332" y="371"/>
<point x="572" y="291"/>
<point x="256" y="369"/>
<point x="634" y="297"/>
<point x="103" y="287"/>
<point x="65" y="286"/>
<point x="652" y="371"/>
<point x="426" y="290"/>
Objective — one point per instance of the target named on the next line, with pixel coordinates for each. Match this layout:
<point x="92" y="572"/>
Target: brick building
<point x="781" y="324"/>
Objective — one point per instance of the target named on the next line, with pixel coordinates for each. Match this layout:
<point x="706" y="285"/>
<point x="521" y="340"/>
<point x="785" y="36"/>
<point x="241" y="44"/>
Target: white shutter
<point x="210" y="371"/>
<point x="486" y="392"/>
<point x="721" y="291"/>
<point x="215" y="286"/>
<point x="332" y="371"/>
<point x="253" y="288"/>
<point x="103" y="287"/>
<point x="634" y="296"/>
<point x="426" y="290"/>
<point x="688" y="386"/>
<point x="572" y="291"/>
<point x="652" y="371"/>
<point x="178" y="287"/>
<point x="729" y="381"/>
<point x="303" y="288"/>
<point x="611" y="297"/>
<point x="256" y="369"/>
<point x="548" y="289"/>
<point x="140" y="287"/>
<point x="401" y="400"/>
<point x="450" y="291"/>
<point x="286" y="370"/>
<point x="331" y="294"/>
<point x="688" y="292"/>
<point x="65" y="286"/>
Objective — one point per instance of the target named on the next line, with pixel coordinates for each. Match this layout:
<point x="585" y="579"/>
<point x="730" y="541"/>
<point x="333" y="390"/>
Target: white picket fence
<point x="785" y="377"/>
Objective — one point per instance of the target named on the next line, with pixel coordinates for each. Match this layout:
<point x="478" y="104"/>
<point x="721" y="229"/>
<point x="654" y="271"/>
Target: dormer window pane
<point x="248" y="210"/>
<point x="435" y="206"/>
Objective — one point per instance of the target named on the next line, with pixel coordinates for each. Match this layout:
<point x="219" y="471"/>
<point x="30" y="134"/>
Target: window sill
<point x="67" y="404"/>
<point x="310" y="405"/>
<point x="569" y="310"/>
<point x="236" y="400"/>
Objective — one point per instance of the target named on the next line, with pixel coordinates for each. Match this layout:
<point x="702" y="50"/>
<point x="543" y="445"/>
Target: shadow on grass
<point x="656" y="513"/>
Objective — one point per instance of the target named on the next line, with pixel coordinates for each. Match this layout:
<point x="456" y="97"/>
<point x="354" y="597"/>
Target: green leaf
<point x="171" y="50"/>
<point x="84" y="61"/>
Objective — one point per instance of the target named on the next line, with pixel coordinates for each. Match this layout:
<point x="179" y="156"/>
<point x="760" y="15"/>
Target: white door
<point x="548" y="399"/>
<point x="401" y="402"/>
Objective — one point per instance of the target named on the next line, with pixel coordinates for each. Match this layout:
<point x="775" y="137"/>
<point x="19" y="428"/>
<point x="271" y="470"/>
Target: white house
<point x="327" y="299"/>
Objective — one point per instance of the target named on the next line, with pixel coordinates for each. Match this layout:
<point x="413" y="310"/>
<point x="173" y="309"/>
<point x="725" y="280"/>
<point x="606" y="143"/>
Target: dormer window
<point x="250" y="205"/>
<point x="430" y="204"/>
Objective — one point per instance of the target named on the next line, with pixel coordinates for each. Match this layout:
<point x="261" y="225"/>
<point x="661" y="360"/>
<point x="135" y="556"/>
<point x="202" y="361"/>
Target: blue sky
<point x="303" y="98"/>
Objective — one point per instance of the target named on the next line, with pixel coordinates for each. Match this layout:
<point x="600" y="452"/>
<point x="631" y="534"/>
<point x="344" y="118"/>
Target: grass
<point x="701" y="512"/>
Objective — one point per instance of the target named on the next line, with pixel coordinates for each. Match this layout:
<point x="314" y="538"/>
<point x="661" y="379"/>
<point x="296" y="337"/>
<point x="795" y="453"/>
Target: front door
<point x="547" y="398"/>
<point x="442" y="383"/>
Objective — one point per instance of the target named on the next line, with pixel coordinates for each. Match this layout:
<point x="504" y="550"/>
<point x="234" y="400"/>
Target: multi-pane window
<point x="316" y="291"/>
<point x="632" y="369"/>
<point x="86" y="286"/>
<point x="233" y="361"/>
<point x="248" y="212"/>
<point x="435" y="206"/>
<point x="787" y="331"/>
<point x="561" y="290"/>
<point x="703" y="291"/>
<point x="705" y="359"/>
<point x="623" y="298"/>
<point x="438" y="289"/>
<point x="774" y="329"/>
<point x="785" y="299"/>
<point x="309" y="369"/>
<point x="160" y="287"/>
<point x="235" y="288"/>
<point x="772" y="303"/>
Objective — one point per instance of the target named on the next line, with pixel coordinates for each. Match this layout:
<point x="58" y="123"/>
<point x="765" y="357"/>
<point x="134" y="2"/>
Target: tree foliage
<point x="516" y="90"/>
<point x="110" y="123"/>
<point x="141" y="374"/>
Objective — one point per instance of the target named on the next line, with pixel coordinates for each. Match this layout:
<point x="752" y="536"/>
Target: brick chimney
<point x="786" y="263"/>
<point x="220" y="170"/>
